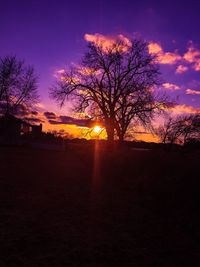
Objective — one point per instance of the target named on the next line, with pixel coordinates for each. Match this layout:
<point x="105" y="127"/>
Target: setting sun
<point x="97" y="129"/>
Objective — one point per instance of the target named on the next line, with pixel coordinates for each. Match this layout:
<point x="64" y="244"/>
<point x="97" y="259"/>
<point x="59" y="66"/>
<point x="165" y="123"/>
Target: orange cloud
<point x="169" y="58"/>
<point x="155" y="48"/>
<point x="88" y="71"/>
<point x="181" y="69"/>
<point x="107" y="42"/>
<point x="171" y="86"/>
<point x="197" y="65"/>
<point x="192" y="92"/>
<point x="193" y="56"/>
<point x="62" y="76"/>
<point x="182" y="109"/>
<point x="163" y="57"/>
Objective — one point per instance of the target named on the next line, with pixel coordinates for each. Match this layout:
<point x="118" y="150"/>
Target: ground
<point x="84" y="208"/>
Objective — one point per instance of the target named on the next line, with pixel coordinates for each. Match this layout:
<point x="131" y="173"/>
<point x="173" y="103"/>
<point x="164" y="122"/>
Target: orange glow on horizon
<point x="92" y="133"/>
<point x="96" y="132"/>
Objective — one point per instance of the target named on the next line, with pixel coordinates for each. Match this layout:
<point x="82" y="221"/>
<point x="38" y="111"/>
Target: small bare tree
<point x="180" y="130"/>
<point x="114" y="85"/>
<point x="18" y="85"/>
<point x="191" y="128"/>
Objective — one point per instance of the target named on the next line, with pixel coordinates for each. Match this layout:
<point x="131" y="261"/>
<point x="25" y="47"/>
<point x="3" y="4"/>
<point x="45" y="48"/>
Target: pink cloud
<point x="171" y="86"/>
<point x="163" y="57"/>
<point x="61" y="71"/>
<point x="197" y="65"/>
<point x="192" y="56"/>
<point x="192" y="92"/>
<point x="169" y="58"/>
<point x="107" y="42"/>
<point x="155" y="48"/>
<point x="181" y="69"/>
<point x="184" y="109"/>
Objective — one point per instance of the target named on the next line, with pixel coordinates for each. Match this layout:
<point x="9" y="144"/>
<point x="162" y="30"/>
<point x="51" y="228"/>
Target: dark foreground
<point x="127" y="208"/>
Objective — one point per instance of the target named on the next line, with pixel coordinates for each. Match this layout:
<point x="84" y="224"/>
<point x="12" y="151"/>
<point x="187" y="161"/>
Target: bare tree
<point x="113" y="85"/>
<point x="139" y="109"/>
<point x="191" y="128"/>
<point x="180" y="130"/>
<point x="18" y="85"/>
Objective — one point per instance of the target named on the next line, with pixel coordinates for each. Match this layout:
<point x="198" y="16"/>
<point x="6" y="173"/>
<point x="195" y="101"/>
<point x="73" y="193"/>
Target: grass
<point x="78" y="208"/>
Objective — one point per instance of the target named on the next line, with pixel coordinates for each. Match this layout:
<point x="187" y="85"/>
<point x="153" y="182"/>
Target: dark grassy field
<point x="81" y="208"/>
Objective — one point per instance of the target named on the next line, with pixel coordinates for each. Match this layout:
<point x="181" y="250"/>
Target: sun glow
<point x="97" y="129"/>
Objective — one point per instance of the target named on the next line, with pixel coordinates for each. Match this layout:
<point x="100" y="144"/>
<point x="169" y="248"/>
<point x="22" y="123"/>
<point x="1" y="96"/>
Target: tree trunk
<point x="121" y="138"/>
<point x="110" y="133"/>
<point x="110" y="130"/>
<point x="120" y="134"/>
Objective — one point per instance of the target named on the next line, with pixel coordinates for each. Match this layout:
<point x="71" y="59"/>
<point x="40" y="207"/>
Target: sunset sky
<point x="53" y="34"/>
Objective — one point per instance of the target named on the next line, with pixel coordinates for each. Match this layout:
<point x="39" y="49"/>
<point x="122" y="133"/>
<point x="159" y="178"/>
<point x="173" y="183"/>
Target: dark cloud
<point x="33" y="120"/>
<point x="54" y="122"/>
<point x="34" y="112"/>
<point x="50" y="115"/>
<point x="69" y="120"/>
<point x="20" y="110"/>
<point x="78" y="122"/>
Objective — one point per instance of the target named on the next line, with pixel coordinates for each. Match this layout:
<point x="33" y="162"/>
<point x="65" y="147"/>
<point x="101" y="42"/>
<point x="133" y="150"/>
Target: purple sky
<point x="50" y="34"/>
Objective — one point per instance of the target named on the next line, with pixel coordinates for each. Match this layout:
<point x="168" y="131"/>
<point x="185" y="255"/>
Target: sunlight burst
<point x="97" y="129"/>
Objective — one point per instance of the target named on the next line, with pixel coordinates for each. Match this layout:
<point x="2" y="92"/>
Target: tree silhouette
<point x="180" y="130"/>
<point x="113" y="84"/>
<point x="18" y="85"/>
